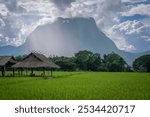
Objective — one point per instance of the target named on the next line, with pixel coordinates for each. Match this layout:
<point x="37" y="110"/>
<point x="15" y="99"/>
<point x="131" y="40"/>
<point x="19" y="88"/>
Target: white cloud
<point x="103" y="11"/>
<point x="134" y="1"/>
<point x="132" y="28"/>
<point x="12" y="6"/>
<point x="141" y="9"/>
<point x="129" y="27"/>
<point x="120" y="40"/>
<point x="3" y="10"/>
<point x="135" y="33"/>
<point x="146" y="38"/>
<point x="21" y="17"/>
<point x="2" y="23"/>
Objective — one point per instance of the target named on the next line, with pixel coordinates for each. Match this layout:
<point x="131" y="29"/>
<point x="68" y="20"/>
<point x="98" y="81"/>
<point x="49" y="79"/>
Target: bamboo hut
<point x="6" y="62"/>
<point x="34" y="61"/>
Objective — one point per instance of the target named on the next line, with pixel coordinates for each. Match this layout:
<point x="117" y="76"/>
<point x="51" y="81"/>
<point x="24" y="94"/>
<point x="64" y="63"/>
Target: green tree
<point x="82" y="58"/>
<point x="20" y="57"/>
<point x="94" y="62"/>
<point x="88" y="61"/>
<point x="142" y="64"/>
<point x="114" y="63"/>
<point x="66" y="63"/>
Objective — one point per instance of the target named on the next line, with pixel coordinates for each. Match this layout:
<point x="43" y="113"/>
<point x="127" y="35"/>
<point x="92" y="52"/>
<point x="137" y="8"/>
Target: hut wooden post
<point x="44" y="71"/>
<point x="18" y="72"/>
<point x="26" y="72"/>
<point x="21" y="71"/>
<point x="3" y="71"/>
<point x="48" y="72"/>
<point x="13" y="72"/>
<point x="51" y="72"/>
<point x="32" y="72"/>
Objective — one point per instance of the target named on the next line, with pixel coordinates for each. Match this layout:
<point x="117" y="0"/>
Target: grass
<point x="78" y="85"/>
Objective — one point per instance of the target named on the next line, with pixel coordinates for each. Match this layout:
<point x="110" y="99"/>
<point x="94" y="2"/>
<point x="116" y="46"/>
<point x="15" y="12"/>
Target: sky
<point x="125" y="22"/>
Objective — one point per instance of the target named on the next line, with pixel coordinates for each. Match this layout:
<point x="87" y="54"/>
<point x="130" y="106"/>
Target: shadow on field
<point x="13" y="81"/>
<point x="67" y="75"/>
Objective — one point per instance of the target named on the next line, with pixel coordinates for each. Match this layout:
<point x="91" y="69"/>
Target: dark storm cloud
<point x="62" y="4"/>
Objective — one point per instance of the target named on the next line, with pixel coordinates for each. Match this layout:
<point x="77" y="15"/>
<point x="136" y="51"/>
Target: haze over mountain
<point x="67" y="36"/>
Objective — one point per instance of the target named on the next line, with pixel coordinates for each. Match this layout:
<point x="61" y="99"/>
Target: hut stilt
<point x="3" y="71"/>
<point x="26" y="72"/>
<point x="51" y="72"/>
<point x="13" y="72"/>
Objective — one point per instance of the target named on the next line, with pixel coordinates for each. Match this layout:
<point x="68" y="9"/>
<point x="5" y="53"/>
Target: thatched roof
<point x="5" y="59"/>
<point x="35" y="60"/>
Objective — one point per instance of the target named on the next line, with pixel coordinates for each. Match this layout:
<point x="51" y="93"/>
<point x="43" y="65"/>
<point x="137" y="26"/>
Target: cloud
<point x="12" y="6"/>
<point x="134" y="1"/>
<point x="18" y="18"/>
<point x="141" y="9"/>
<point x="101" y="10"/>
<point x="135" y="33"/>
<point x="146" y="38"/>
<point x="62" y="4"/>
<point x="2" y="23"/>
<point x="3" y="10"/>
<point x="120" y="40"/>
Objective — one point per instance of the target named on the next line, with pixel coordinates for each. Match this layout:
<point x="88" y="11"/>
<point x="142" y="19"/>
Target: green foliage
<point x="82" y="58"/>
<point x="142" y="64"/>
<point x="88" y="61"/>
<point x="66" y="63"/>
<point x="20" y="57"/>
<point x="94" y="62"/>
<point x="115" y="63"/>
<point x="78" y="85"/>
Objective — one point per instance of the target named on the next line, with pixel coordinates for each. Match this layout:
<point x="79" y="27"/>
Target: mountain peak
<point x="66" y="36"/>
<point x="74" y="19"/>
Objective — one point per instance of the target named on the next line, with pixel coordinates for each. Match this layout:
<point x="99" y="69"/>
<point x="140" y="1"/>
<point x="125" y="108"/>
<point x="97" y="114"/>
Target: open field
<point x="78" y="85"/>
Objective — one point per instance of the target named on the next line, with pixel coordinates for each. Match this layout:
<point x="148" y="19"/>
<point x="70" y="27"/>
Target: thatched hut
<point x="6" y="62"/>
<point x="34" y="61"/>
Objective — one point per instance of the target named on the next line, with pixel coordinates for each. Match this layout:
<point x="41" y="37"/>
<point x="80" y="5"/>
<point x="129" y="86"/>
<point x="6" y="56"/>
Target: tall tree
<point x="142" y="64"/>
<point x="82" y="58"/>
<point x="66" y="63"/>
<point x="114" y="63"/>
<point x="94" y="62"/>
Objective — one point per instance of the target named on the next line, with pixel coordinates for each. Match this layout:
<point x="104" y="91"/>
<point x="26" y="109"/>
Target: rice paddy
<point x="78" y="86"/>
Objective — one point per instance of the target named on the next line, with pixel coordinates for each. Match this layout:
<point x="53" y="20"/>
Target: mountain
<point x="67" y="36"/>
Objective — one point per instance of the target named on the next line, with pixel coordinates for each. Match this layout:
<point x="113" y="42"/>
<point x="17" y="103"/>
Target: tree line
<point x="89" y="61"/>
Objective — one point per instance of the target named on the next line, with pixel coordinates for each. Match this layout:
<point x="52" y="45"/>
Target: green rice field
<point x="78" y="86"/>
